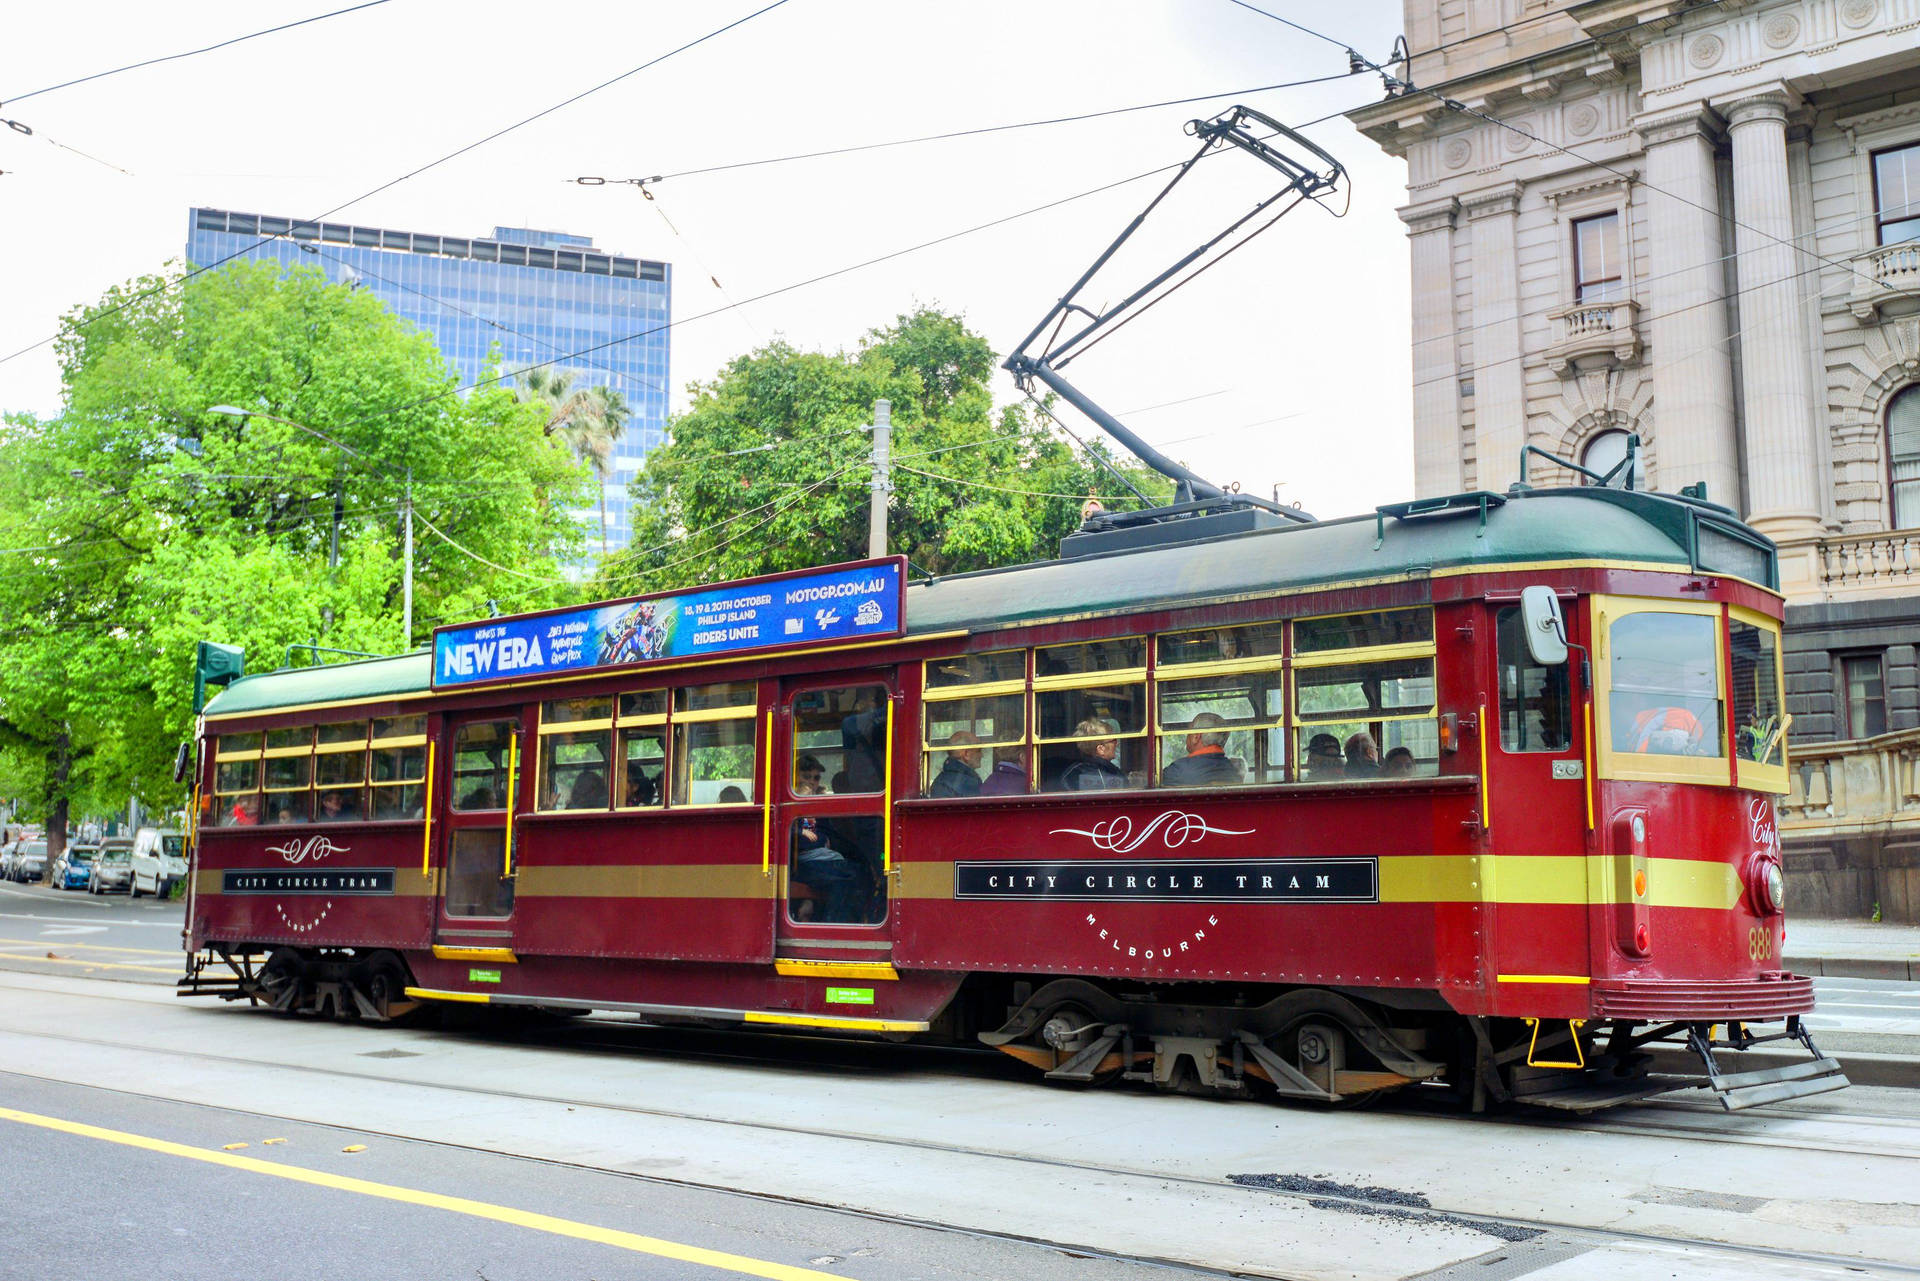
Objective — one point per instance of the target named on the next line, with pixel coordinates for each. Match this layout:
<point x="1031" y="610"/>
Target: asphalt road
<point x="49" y="931"/>
<point x="130" y="1186"/>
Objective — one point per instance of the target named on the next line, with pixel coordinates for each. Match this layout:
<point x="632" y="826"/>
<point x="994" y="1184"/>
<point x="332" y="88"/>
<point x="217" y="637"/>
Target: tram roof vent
<point x="1189" y="522"/>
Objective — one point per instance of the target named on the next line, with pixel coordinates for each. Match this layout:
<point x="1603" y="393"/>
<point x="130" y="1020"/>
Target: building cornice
<point x="1430" y="215"/>
<point x="1555" y="196"/>
<point x="1489" y="202"/>
<point x="1679" y="124"/>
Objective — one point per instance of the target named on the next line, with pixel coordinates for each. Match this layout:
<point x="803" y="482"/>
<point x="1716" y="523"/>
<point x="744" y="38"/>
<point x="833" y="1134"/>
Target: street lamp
<point x="406" y="593"/>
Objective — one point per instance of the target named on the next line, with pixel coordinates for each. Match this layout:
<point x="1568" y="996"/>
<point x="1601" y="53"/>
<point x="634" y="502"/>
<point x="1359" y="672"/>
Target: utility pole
<point x="406" y="589"/>
<point x="882" y="479"/>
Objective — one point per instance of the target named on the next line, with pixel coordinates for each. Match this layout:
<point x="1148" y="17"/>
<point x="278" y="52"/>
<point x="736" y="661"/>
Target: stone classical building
<point x="1697" y="222"/>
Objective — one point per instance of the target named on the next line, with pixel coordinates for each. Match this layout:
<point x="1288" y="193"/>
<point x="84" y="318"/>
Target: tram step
<point x="1742" y="1090"/>
<point x="1588" y="1093"/>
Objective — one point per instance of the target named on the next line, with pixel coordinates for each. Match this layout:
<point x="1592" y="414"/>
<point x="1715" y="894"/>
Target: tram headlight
<point x="1768" y="885"/>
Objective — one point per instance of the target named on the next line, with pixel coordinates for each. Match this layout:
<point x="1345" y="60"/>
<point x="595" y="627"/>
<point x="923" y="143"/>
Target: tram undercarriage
<point x="1333" y="1048"/>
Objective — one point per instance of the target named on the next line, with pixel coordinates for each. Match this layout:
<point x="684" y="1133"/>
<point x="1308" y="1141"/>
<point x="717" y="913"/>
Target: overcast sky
<point x="1308" y="325"/>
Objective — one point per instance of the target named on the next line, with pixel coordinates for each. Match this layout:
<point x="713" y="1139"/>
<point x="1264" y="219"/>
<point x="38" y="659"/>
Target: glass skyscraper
<point x="538" y="295"/>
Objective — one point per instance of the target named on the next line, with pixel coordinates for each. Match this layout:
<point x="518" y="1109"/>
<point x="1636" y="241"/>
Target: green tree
<point x="768" y="469"/>
<point x="588" y="420"/>
<point x="138" y="523"/>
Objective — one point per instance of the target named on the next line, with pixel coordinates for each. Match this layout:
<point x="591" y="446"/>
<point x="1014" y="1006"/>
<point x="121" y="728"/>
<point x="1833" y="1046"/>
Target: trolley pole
<point x="882" y="479"/>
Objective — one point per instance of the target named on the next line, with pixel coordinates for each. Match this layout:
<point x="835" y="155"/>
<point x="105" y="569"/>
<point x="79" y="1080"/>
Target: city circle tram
<point x="1474" y="794"/>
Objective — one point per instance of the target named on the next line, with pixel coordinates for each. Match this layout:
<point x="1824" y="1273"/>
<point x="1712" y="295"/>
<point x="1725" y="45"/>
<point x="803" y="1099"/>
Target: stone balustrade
<point x="1593" y="334"/>
<point x="1850" y="826"/>
<point x="1882" y="274"/>
<point x="1870" y="562"/>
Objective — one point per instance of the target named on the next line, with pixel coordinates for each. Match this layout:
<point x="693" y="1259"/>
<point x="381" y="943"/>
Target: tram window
<point x="576" y="756"/>
<point x="355" y="732"/>
<point x="286" y="786"/>
<point x="845" y="730"/>
<point x="977" y="669"/>
<point x="1759" y="729"/>
<point x="480" y="759"/>
<point x="646" y="702"/>
<point x="393" y="727"/>
<point x="714" y="762"/>
<point x="643" y="766"/>
<point x="397" y="767"/>
<point x="476" y="874"/>
<point x="1665" y="699"/>
<point x="728" y="694"/>
<point x="1364" y="707"/>
<point x="1093" y="738"/>
<point x="1222" y="731"/>
<point x="834" y="870"/>
<point x="962" y="733"/>
<point x="236" y="780"/>
<point x="279" y="740"/>
<point x="1220" y="644"/>
<point x="339" y="771"/>
<point x="559" y="710"/>
<point x="1536" y="704"/>
<point x="1364" y="630"/>
<point x="1128" y="653"/>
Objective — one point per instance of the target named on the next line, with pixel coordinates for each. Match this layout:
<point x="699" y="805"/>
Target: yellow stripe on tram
<point x="1570" y="979"/>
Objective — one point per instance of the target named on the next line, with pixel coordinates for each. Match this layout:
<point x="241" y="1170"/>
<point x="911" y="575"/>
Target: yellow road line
<point x="631" y="1241"/>
<point x="99" y="947"/>
<point x="96" y="965"/>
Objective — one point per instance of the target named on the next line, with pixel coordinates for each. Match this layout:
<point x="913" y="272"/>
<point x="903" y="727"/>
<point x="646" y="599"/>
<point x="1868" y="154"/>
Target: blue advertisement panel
<point x="847" y="602"/>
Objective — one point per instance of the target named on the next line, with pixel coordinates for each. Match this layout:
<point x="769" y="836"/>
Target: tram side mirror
<point x="182" y="762"/>
<point x="1545" y="628"/>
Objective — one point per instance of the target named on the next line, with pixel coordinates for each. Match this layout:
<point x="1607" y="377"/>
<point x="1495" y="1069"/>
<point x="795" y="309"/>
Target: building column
<point x="1499" y="385"/>
<point x="1436" y="390"/>
<point x="1783" y="481"/>
<point x="1687" y="325"/>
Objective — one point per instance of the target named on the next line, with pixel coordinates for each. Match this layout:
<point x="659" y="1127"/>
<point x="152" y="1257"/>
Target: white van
<point x="159" y="859"/>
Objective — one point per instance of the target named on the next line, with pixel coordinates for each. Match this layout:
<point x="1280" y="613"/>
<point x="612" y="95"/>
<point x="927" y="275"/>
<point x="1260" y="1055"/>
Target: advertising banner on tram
<point x="860" y="601"/>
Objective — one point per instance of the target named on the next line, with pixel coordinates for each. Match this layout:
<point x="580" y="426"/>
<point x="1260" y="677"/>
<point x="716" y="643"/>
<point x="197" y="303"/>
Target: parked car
<point x="159" y="861"/>
<point x="112" y="869"/>
<point x="29" y="861"/>
<point x="71" y="869"/>
<point x="6" y="860"/>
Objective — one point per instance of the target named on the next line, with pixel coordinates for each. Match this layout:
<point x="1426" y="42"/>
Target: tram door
<point x="830" y="785"/>
<point x="481" y="759"/>
<point x="1536" y="785"/>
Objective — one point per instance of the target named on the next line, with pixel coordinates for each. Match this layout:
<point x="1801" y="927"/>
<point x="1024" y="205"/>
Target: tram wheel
<point x="280" y="981"/>
<point x="386" y="988"/>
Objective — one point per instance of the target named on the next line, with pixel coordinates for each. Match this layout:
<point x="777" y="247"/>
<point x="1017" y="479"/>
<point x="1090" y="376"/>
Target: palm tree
<point x="587" y="420"/>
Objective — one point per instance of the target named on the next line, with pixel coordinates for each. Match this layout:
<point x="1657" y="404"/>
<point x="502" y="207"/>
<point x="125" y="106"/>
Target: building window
<point x="1597" y="261"/>
<point x="1608" y="450"/>
<point x="1863" y="677"/>
<point x="1903" y="457"/>
<point x="1896" y="194"/>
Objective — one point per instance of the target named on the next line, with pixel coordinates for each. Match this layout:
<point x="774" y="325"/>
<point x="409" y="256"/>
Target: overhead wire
<point x="191" y="53"/>
<point x="597" y="181"/>
<point x="413" y="173"/>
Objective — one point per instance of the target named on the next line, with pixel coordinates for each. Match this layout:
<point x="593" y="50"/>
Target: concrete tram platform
<point x="1853" y="949"/>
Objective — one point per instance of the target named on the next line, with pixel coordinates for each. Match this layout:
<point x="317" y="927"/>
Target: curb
<point x="1900" y="1071"/>
<point x="1836" y="967"/>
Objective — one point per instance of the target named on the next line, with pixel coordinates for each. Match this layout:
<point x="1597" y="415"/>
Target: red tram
<point x="1296" y="809"/>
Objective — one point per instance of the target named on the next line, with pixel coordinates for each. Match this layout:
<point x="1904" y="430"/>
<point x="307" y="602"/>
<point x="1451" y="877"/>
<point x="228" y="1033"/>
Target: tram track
<point x="1498" y="1227"/>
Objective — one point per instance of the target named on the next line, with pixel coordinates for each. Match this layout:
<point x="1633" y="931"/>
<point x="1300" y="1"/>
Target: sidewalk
<point x="1853" y="949"/>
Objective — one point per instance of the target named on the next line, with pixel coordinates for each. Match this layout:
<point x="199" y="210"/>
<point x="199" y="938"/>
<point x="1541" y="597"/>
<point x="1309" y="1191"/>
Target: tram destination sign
<point x="1173" y="880"/>
<point x="844" y="602"/>
<point x="284" y="881"/>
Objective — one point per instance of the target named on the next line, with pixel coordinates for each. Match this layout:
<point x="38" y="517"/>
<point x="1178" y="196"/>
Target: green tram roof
<point x="1397" y="542"/>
